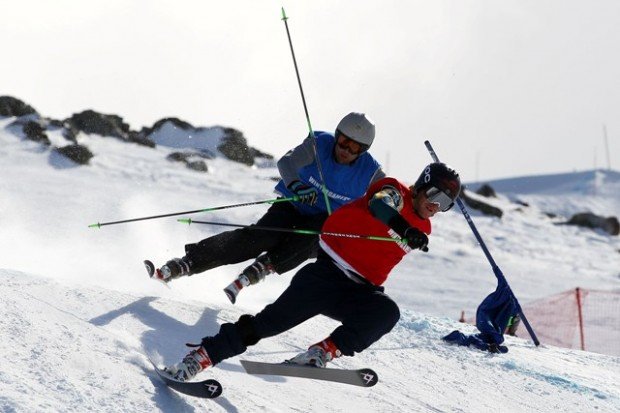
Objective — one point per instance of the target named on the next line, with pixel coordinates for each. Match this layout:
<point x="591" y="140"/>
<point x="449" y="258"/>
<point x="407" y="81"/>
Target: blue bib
<point x="344" y="183"/>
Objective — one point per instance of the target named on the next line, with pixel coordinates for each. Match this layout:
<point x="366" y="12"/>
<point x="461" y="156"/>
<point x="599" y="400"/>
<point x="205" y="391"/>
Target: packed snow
<point x="80" y="316"/>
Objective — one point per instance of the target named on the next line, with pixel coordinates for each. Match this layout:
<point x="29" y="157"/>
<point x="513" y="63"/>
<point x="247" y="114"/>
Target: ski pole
<point x="496" y="270"/>
<point x="294" y="231"/>
<point x="303" y="99"/>
<point x="267" y="201"/>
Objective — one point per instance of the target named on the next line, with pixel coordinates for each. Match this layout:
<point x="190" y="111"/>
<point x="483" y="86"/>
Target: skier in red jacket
<point x="344" y="283"/>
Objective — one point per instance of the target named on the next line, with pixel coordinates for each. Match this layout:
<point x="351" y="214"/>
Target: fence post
<point x="580" y="314"/>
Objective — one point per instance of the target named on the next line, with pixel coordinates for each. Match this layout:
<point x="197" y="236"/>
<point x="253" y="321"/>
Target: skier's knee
<point x="189" y="248"/>
<point x="391" y="314"/>
<point x="245" y="326"/>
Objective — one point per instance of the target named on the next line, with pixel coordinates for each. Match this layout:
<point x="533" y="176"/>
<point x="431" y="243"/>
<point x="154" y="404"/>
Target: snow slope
<point x="79" y="315"/>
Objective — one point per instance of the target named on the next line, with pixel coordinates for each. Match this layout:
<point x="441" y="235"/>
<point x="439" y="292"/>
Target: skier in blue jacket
<point x="346" y="169"/>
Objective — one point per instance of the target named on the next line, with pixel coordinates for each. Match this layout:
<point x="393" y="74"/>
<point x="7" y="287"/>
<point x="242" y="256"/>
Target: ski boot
<point x="253" y="274"/>
<point x="196" y="361"/>
<point x="175" y="268"/>
<point x="317" y="355"/>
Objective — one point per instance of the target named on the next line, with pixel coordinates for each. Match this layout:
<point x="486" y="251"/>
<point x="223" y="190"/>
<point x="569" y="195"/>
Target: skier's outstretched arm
<point x="386" y="205"/>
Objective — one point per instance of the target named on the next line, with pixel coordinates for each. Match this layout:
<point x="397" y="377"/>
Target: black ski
<point x="360" y="377"/>
<point x="206" y="389"/>
<point x="151" y="270"/>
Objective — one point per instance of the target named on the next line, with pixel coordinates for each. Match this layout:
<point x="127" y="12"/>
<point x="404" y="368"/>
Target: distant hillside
<point x="595" y="191"/>
<point x="585" y="182"/>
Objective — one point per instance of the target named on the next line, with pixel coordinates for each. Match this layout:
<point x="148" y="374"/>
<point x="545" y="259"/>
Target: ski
<point x="152" y="272"/>
<point x="359" y="377"/>
<point x="206" y="389"/>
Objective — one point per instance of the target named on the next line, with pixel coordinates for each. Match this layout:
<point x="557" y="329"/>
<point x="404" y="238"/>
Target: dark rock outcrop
<point x="138" y="138"/>
<point x="10" y="106"/>
<point x="260" y="154"/>
<point x="487" y="191"/>
<point x="481" y="206"/>
<point x="177" y="157"/>
<point x="90" y="121"/>
<point x="67" y="130"/>
<point x="70" y="132"/>
<point x="191" y="160"/>
<point x="181" y="124"/>
<point x="79" y="154"/>
<point x="199" y="166"/>
<point x="93" y="122"/>
<point x="233" y="144"/>
<point x="35" y="132"/>
<point x="235" y="147"/>
<point x="586" y="219"/>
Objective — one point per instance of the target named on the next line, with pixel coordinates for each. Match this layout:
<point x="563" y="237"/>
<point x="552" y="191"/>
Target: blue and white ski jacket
<point x="344" y="182"/>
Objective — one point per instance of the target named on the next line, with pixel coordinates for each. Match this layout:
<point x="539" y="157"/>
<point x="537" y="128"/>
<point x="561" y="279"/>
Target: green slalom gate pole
<point x="267" y="201"/>
<point x="294" y="231"/>
<point x="303" y="99"/>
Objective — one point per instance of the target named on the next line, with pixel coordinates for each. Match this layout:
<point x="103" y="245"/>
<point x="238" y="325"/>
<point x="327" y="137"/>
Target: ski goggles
<point x="439" y="197"/>
<point x="351" y="146"/>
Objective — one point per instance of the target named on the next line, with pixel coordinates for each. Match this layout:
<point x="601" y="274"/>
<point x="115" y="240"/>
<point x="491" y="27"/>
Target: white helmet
<point x="357" y="127"/>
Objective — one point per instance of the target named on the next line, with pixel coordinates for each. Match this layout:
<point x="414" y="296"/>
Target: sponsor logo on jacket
<point x="330" y="194"/>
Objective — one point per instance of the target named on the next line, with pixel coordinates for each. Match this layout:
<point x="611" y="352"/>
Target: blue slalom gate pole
<point x="498" y="273"/>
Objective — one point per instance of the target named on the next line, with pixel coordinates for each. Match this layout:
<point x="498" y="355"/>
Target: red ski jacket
<point x="373" y="260"/>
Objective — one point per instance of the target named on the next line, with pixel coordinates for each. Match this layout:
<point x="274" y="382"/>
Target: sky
<point x="501" y="89"/>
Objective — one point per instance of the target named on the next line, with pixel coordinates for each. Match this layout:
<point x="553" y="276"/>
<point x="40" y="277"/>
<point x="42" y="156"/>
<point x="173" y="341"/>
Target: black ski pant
<point x="285" y="250"/>
<point x="365" y="311"/>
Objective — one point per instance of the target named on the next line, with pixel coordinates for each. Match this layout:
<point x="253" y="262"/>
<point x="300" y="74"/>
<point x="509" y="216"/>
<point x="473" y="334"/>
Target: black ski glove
<point x="305" y="194"/>
<point x="416" y="239"/>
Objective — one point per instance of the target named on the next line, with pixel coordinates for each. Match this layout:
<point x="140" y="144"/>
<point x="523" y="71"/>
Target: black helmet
<point x="438" y="177"/>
